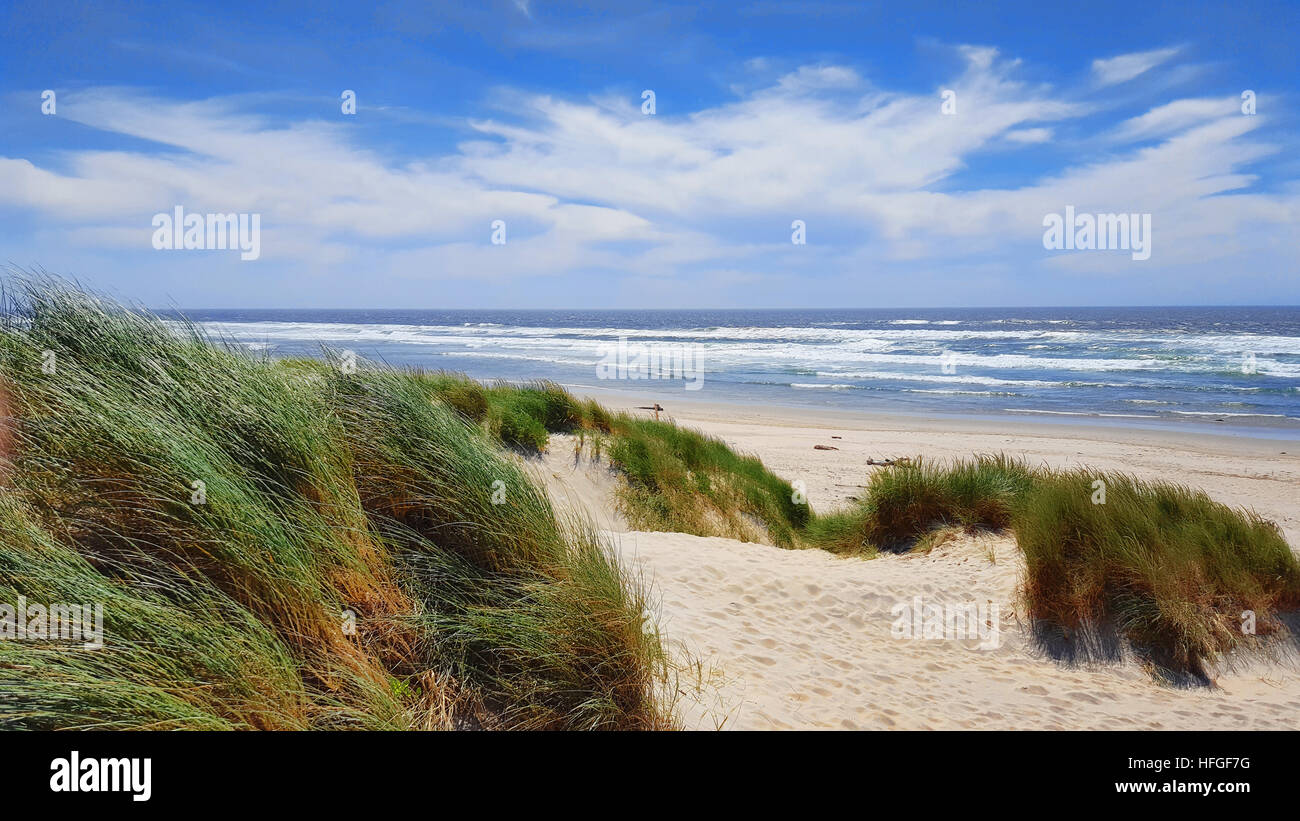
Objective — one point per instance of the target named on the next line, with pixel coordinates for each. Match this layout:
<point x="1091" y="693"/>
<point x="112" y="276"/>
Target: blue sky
<point x="765" y="113"/>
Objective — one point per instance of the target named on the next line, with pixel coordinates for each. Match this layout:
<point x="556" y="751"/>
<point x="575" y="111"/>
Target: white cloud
<point x="596" y="187"/>
<point x="1030" y="135"/>
<point x="1125" y="67"/>
<point x="1176" y="116"/>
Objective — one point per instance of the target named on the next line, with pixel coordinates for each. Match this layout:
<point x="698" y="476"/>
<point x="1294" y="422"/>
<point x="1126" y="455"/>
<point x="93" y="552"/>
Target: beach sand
<point x="790" y="639"/>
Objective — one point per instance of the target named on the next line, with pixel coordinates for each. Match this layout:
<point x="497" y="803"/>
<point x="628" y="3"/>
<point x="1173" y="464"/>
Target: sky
<point x="918" y="149"/>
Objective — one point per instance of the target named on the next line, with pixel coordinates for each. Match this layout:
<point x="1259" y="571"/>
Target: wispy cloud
<point x="1125" y="67"/>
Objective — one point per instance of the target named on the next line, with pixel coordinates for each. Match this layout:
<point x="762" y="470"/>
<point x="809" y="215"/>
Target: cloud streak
<point x="1125" y="67"/>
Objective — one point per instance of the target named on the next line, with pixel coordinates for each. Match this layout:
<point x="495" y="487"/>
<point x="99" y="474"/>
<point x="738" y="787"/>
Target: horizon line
<point x="687" y="310"/>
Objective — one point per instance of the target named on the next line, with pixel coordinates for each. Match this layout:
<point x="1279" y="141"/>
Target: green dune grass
<point x="1164" y="565"/>
<point x="236" y="515"/>
<point x="675" y="479"/>
<point x="681" y="480"/>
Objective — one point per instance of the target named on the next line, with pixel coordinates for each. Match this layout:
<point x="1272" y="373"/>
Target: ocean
<point x="1227" y="369"/>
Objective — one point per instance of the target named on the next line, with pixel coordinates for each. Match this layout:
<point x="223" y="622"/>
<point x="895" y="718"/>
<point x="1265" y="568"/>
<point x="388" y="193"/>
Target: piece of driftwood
<point x="837" y="437"/>
<point x="902" y="460"/>
<point x="656" y="407"/>
<point x="824" y="447"/>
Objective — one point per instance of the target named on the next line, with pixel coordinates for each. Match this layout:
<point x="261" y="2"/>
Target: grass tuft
<point x="682" y="480"/>
<point x="1165" y="566"/>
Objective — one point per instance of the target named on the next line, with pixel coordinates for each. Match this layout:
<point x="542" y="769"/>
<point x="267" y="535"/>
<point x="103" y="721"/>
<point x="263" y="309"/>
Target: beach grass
<point x="1163" y="565"/>
<point x="675" y="479"/>
<point x="1174" y="571"/>
<point x="682" y="480"/>
<point x="237" y="516"/>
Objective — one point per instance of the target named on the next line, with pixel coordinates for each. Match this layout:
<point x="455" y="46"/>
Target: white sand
<point x="802" y="639"/>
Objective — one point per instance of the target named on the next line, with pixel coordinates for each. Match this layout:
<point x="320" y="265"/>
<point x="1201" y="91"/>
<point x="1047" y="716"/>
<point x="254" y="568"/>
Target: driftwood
<point x="837" y="437"/>
<point x="902" y="460"/>
<point x="656" y="407"/>
<point x="824" y="447"/>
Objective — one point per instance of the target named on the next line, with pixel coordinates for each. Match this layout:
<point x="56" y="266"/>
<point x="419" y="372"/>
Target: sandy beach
<point x="794" y="639"/>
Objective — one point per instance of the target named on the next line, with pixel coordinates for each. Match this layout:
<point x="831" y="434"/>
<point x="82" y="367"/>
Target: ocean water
<point x="1233" y="368"/>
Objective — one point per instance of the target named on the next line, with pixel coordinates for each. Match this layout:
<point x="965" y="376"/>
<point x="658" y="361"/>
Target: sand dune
<point x="802" y="640"/>
<point x="790" y="639"/>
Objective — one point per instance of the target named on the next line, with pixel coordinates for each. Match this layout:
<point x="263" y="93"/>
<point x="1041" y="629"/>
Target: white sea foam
<point x="961" y="379"/>
<point x="1221" y="413"/>
<point x="905" y="350"/>
<point x="1081" y="413"/>
<point x="953" y="392"/>
<point x="1228" y="345"/>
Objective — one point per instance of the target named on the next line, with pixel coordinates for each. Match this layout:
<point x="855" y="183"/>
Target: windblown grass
<point x="513" y="606"/>
<point x="1164" y="565"/>
<point x="229" y="511"/>
<point x="903" y="504"/>
<point x="681" y="480"/>
<point x="676" y="479"/>
<point x="1171" y="569"/>
<point x="519" y="417"/>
